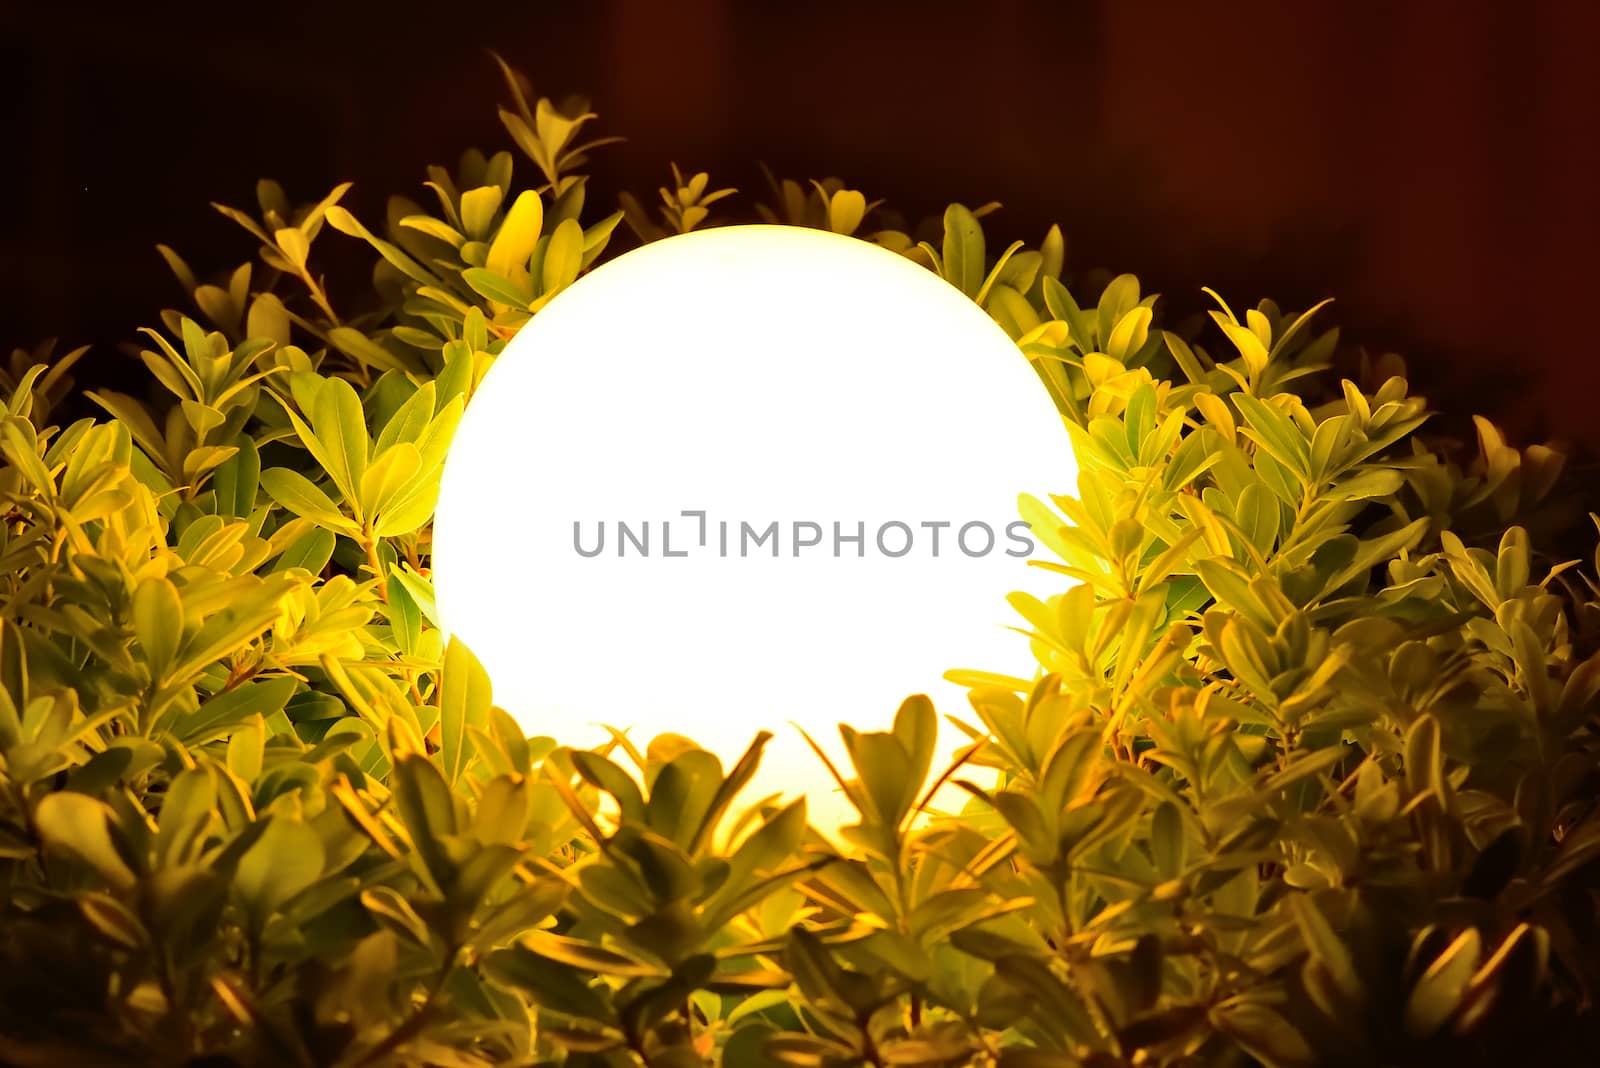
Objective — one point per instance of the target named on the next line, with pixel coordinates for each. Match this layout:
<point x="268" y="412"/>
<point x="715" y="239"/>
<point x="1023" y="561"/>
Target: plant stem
<point x="374" y="561"/>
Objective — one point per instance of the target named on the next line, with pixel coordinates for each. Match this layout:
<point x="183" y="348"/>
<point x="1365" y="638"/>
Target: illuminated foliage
<point x="1309" y="775"/>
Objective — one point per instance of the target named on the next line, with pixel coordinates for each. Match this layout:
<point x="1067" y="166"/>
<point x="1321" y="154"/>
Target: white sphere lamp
<point x="746" y="478"/>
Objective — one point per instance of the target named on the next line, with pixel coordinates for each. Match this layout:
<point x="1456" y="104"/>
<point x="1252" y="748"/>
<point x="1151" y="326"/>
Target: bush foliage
<point x="1308" y="775"/>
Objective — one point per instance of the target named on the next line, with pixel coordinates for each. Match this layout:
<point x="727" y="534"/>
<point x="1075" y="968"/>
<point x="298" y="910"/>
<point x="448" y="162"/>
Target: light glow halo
<point x="747" y="376"/>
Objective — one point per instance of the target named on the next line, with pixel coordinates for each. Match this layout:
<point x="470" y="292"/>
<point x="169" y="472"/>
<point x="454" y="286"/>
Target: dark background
<point x="1431" y="165"/>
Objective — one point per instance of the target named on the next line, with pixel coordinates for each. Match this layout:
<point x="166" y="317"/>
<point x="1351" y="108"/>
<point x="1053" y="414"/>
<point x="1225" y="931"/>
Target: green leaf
<point x="388" y="477"/>
<point x="394" y="912"/>
<point x="1129" y="335"/>
<point x="963" y="250"/>
<point x="20" y="446"/>
<point x="1062" y="306"/>
<point x="681" y="793"/>
<point x="186" y="814"/>
<point x="286" y="859"/>
<point x="158" y="624"/>
<point x="1274" y="432"/>
<point x="292" y="241"/>
<point x="1325" y="946"/>
<point x="884" y="768"/>
<point x="503" y="810"/>
<point x="608" y="776"/>
<point x="421" y="591"/>
<point x="1056" y="1005"/>
<point x="518" y="234"/>
<point x="247" y="749"/>
<point x="341" y="220"/>
<point x="464" y="699"/>
<point x="488" y="284"/>
<point x="410" y="420"/>
<point x="744" y="769"/>
<point x="220" y="714"/>
<point x="508" y="734"/>
<point x="1263" y="1033"/>
<point x="478" y="207"/>
<point x="360" y="347"/>
<point x="114" y="920"/>
<point x="422" y="797"/>
<point x="1375" y="552"/>
<point x="1249" y="345"/>
<point x="1168" y="841"/>
<point x="1067" y="766"/>
<point x="80" y="825"/>
<point x="411" y="507"/>
<point x="1424" y="758"/>
<point x="341" y="426"/>
<point x="1438" y="992"/>
<point x="916" y="727"/>
<point x="252" y="605"/>
<point x="405" y="618"/>
<point x="563" y="258"/>
<point x="294" y="492"/>
<point x="554" y="986"/>
<point x="590" y="958"/>
<point x="311" y="550"/>
<point x="236" y="481"/>
<point x="441" y="231"/>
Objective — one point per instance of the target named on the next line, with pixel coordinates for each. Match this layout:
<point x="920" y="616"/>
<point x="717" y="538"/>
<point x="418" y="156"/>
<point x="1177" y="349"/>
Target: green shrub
<point x="1310" y="774"/>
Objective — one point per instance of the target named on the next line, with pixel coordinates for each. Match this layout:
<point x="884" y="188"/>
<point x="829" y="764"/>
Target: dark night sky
<point x="1431" y="165"/>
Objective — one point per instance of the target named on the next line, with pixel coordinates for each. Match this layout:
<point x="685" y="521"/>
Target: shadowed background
<point x="1431" y="165"/>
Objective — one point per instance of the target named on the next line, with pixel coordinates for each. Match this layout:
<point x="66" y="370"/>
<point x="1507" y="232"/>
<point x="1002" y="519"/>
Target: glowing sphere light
<point x="744" y="478"/>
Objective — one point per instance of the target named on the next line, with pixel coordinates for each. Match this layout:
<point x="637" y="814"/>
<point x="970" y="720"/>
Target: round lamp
<point x="756" y="477"/>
